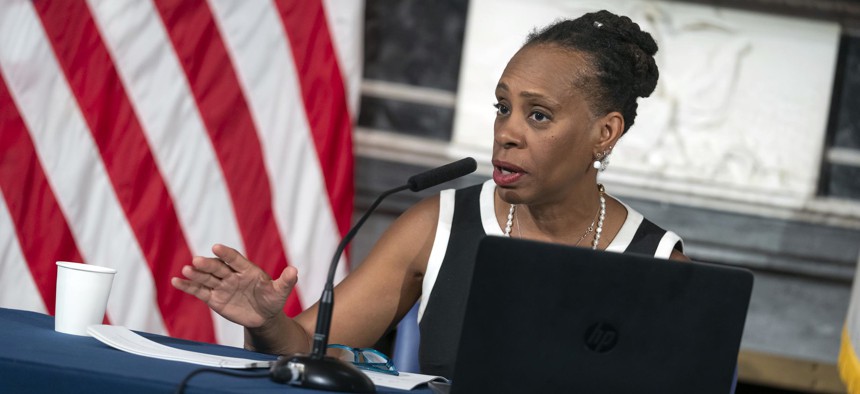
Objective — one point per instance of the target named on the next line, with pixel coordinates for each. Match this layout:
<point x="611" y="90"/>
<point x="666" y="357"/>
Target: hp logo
<point x="601" y="337"/>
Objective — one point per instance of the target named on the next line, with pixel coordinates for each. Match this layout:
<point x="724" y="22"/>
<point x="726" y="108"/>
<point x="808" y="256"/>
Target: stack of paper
<point x="124" y="339"/>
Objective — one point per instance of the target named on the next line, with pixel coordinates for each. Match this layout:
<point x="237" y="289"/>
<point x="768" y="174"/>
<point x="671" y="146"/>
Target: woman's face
<point x="544" y="134"/>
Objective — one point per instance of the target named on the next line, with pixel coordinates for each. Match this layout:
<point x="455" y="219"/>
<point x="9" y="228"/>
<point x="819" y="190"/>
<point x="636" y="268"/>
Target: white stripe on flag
<point x="17" y="288"/>
<point x="257" y="44"/>
<point x="345" y="19"/>
<point x="73" y="166"/>
<point x="159" y="92"/>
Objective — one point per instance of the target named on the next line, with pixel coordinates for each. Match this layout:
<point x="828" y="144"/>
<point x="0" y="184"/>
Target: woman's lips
<point x="505" y="174"/>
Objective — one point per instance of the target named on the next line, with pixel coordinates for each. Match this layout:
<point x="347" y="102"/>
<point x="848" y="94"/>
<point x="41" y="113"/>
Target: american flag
<point x="135" y="134"/>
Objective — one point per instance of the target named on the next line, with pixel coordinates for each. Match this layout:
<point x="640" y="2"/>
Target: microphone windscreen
<point x="442" y="174"/>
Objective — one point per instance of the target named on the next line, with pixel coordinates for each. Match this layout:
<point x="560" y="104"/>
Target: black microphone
<point x="318" y="371"/>
<point x="442" y="174"/>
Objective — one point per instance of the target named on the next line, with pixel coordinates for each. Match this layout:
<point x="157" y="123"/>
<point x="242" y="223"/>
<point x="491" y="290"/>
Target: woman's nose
<point x="508" y="133"/>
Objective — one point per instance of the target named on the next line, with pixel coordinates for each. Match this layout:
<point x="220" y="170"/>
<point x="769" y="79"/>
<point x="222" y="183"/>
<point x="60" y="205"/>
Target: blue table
<point x="34" y="358"/>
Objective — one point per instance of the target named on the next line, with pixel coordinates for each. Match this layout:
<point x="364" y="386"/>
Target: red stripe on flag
<point x="125" y="152"/>
<point x="225" y="112"/>
<point x="42" y="230"/>
<point x="324" y="96"/>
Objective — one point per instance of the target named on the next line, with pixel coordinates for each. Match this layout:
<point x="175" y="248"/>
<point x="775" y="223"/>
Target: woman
<point x="564" y="100"/>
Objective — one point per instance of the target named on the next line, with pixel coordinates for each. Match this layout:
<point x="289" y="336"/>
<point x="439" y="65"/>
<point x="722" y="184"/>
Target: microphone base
<point x="326" y="373"/>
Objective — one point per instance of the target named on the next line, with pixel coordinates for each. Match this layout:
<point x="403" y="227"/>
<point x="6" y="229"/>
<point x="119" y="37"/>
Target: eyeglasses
<point x="367" y="359"/>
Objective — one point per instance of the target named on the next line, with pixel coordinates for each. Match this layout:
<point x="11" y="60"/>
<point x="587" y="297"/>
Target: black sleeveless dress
<point x="466" y="216"/>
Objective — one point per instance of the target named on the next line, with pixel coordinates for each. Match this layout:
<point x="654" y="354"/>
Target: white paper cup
<point x="82" y="295"/>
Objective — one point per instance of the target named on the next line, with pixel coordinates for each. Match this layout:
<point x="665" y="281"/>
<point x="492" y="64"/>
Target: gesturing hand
<point x="236" y="288"/>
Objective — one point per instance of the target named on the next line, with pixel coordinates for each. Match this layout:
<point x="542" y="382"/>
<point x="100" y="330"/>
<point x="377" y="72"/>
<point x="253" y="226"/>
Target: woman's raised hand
<point x="235" y="287"/>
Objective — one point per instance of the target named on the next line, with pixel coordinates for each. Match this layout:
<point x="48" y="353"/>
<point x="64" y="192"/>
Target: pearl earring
<point x="601" y="160"/>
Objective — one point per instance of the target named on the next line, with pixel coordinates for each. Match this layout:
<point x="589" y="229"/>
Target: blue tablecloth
<point x="34" y="358"/>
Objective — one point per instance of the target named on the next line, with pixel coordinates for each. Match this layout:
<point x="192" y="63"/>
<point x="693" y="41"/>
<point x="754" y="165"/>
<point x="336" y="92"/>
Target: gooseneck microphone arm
<point x="326" y="303"/>
<point x="317" y="371"/>
<point x="415" y="183"/>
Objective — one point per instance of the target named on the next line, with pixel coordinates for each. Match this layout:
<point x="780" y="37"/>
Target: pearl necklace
<point x="601" y="215"/>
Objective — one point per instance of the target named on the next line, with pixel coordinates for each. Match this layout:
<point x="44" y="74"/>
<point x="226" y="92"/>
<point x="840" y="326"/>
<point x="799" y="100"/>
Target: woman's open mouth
<point x="506" y="174"/>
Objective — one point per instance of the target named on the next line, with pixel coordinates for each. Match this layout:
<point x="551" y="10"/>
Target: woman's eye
<point x="501" y="109"/>
<point x="539" y="116"/>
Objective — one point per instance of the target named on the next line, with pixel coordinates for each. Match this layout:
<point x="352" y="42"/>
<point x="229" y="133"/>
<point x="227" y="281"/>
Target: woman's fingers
<point x="231" y="257"/>
<point x="203" y="275"/>
<point x="202" y="278"/>
<point x="213" y="266"/>
<point x="201" y="292"/>
<point x="285" y="283"/>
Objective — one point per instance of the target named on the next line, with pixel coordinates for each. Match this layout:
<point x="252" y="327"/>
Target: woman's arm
<point x="374" y="297"/>
<point x="368" y="302"/>
<point x="678" y="255"/>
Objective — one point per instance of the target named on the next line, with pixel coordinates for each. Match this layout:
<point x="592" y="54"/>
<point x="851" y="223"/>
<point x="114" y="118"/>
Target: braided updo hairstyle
<point x="620" y="55"/>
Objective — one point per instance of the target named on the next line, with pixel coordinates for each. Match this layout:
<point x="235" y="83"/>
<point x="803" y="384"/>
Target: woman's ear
<point x="611" y="127"/>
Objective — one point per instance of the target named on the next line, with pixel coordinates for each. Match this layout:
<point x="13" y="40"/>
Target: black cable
<point x="181" y="387"/>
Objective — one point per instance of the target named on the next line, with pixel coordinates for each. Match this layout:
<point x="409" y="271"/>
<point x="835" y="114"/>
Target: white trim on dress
<point x="625" y="235"/>
<point x="488" y="209"/>
<point x="667" y="245"/>
<point x="491" y="227"/>
<point x="440" y="247"/>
